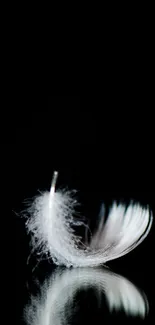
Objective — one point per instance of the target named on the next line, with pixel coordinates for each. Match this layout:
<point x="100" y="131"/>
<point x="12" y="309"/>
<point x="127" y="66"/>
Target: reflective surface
<point x="57" y="301"/>
<point x="102" y="159"/>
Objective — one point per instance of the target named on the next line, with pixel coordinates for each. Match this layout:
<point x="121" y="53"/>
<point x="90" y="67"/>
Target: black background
<point x="99" y="150"/>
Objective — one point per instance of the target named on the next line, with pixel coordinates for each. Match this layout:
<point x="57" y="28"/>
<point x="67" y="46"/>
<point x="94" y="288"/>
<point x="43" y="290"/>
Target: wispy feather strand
<point x="51" y="221"/>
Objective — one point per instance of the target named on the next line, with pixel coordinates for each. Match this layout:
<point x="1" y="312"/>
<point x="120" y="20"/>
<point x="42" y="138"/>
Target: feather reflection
<point x="59" y="291"/>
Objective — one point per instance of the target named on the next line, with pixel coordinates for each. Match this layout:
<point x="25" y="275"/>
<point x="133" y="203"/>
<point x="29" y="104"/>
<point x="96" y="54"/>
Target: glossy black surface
<point x="102" y="159"/>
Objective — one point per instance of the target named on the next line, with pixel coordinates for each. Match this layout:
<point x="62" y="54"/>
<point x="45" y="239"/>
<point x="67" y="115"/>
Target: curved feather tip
<point x="51" y="221"/>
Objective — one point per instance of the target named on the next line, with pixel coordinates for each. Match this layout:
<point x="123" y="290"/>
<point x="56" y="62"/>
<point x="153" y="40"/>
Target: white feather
<point x="52" y="218"/>
<point x="59" y="291"/>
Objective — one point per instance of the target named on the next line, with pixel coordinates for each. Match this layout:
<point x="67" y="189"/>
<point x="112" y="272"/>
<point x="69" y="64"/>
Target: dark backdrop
<point x="99" y="150"/>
